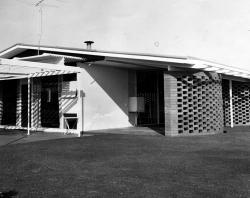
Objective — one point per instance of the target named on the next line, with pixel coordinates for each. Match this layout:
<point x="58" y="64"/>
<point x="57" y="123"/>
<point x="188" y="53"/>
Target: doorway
<point x="49" y="102"/>
<point x="24" y="105"/>
<point x="9" y="102"/>
<point x="150" y="87"/>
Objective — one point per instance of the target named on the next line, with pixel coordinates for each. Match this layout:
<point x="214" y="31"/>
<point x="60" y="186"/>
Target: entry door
<point x="150" y="86"/>
<point x="147" y="88"/>
<point x="49" y="102"/>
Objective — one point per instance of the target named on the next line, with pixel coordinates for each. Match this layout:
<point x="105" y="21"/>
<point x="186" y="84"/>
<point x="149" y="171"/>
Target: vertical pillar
<point x="132" y="92"/>
<point x="19" y="104"/>
<point x="36" y="103"/>
<point x="231" y="103"/>
<point x="28" y="128"/>
<point x="60" y="88"/>
<point x="170" y="104"/>
<point x="80" y="104"/>
<point x="31" y="103"/>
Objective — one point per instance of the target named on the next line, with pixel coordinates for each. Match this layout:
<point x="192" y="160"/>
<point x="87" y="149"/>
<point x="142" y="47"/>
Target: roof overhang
<point x="56" y="58"/>
<point x="132" y="60"/>
<point x="17" y="69"/>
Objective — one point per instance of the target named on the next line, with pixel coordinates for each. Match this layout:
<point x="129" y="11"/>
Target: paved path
<point x="131" y="131"/>
<point x="16" y="138"/>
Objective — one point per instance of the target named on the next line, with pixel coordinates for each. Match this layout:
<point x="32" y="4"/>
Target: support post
<point x="28" y="128"/>
<point x="231" y="104"/>
<point x="31" y="104"/>
<point x="170" y="104"/>
<point x="60" y="84"/>
<point x="157" y="99"/>
<point x="82" y="111"/>
<point x="81" y="95"/>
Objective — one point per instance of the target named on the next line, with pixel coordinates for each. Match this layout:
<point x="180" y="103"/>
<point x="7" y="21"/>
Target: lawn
<point x="129" y="166"/>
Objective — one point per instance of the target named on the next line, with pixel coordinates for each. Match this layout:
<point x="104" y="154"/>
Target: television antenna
<point x="40" y="4"/>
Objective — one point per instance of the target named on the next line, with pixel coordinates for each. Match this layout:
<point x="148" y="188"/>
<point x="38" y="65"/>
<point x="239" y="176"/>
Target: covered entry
<point x="49" y="102"/>
<point x="17" y="108"/>
<point x="150" y="88"/>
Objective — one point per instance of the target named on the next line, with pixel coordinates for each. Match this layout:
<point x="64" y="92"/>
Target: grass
<point x="129" y="166"/>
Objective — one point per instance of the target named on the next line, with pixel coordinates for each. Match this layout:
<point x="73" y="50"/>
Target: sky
<point x="216" y="30"/>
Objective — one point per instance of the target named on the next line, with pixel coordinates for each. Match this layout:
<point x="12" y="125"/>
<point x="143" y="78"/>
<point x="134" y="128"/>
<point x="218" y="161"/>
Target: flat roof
<point x="30" y="46"/>
<point x="150" y="60"/>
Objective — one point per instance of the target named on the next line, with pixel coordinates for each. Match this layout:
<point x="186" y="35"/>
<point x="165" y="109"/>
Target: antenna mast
<point x="39" y="4"/>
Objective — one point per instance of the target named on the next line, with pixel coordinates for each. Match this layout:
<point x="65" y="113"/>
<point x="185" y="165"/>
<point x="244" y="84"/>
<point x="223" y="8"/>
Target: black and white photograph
<point x="124" y="99"/>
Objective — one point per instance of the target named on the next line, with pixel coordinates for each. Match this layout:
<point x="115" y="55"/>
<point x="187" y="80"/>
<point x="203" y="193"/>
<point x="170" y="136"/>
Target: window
<point x="69" y="77"/>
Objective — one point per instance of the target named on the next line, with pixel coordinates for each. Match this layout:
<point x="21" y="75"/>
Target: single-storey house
<point x="46" y="88"/>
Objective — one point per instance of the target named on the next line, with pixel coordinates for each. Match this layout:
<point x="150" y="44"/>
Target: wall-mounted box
<point x="136" y="104"/>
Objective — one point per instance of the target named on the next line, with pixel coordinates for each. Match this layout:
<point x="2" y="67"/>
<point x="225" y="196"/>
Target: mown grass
<point x="129" y="166"/>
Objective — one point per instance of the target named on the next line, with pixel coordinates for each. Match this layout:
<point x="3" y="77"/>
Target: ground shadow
<point x="8" y="194"/>
<point x="13" y="131"/>
<point x="160" y="129"/>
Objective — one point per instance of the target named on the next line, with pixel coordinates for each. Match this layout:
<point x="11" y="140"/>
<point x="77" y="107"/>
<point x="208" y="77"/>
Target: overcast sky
<point x="217" y="30"/>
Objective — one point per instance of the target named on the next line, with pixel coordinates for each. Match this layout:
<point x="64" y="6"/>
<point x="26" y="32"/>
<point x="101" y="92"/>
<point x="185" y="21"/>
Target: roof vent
<point x="89" y="43"/>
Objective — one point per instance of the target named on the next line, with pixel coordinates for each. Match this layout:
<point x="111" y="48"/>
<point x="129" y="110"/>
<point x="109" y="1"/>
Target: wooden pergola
<point x="19" y="69"/>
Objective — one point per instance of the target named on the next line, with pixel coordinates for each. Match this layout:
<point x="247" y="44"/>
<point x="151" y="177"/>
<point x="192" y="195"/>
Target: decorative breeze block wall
<point x="241" y="103"/>
<point x="199" y="103"/>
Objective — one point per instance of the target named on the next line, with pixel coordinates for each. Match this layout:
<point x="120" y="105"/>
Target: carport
<point x="11" y="69"/>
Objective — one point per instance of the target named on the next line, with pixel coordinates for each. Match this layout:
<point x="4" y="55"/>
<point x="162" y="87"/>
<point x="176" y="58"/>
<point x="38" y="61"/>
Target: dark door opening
<point x="49" y="102"/>
<point x="150" y="87"/>
<point x="9" y="102"/>
<point x="24" y="106"/>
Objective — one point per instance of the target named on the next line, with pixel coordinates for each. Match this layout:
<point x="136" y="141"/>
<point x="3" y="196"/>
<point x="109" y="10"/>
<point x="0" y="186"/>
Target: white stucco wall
<point x="106" y="97"/>
<point x="68" y="97"/>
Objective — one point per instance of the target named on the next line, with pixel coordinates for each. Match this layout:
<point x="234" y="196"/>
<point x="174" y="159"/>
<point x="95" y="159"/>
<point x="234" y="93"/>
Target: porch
<point x="37" y="96"/>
